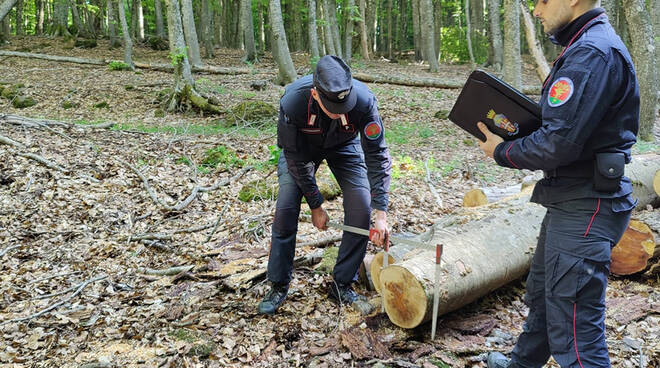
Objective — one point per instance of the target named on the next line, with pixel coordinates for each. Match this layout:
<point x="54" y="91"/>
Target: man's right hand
<point x="320" y="218"/>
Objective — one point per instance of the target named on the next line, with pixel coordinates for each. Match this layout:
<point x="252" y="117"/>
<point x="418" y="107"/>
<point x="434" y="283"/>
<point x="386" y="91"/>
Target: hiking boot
<point x="344" y="293"/>
<point x="498" y="360"/>
<point x="273" y="299"/>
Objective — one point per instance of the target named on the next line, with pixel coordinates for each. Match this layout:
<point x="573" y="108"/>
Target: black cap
<point x="334" y="82"/>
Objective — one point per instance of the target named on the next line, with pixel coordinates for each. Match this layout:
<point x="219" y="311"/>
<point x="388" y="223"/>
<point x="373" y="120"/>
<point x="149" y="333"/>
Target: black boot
<point x="344" y="293"/>
<point x="273" y="299"/>
<point x="498" y="360"/>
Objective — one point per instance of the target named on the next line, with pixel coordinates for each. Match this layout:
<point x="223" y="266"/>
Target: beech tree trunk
<point x="542" y="68"/>
<point x="281" y="54"/>
<point x="128" y="43"/>
<point x="327" y="31"/>
<point x="468" y="34"/>
<point x="311" y="28"/>
<point x="19" y="18"/>
<point x="5" y="7"/>
<point x="484" y="249"/>
<point x="60" y="18"/>
<point x="334" y="26"/>
<point x="495" y="33"/>
<point x="206" y="28"/>
<point x="112" y="25"/>
<point x="190" y="32"/>
<point x="642" y="50"/>
<point x="428" y="34"/>
<point x="348" y="32"/>
<point x="39" y="27"/>
<point x="482" y="196"/>
<point x="160" y="28"/>
<point x="364" y="39"/>
<point x="512" y="64"/>
<point x="248" y="31"/>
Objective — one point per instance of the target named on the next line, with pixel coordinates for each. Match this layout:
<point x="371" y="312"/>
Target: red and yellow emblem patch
<point x="560" y="92"/>
<point x="373" y="130"/>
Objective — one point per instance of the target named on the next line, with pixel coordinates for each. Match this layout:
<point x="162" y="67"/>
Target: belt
<point x="580" y="169"/>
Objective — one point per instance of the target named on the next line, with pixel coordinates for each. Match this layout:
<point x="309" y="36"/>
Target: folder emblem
<point x="503" y="122"/>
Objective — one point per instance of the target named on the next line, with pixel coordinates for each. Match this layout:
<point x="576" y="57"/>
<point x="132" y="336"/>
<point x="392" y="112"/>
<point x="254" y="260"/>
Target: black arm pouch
<point x="608" y="171"/>
<point x="287" y="134"/>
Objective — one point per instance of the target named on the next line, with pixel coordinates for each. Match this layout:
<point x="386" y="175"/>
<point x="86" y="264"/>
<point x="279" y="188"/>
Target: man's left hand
<point x="492" y="140"/>
<point x="380" y="225"/>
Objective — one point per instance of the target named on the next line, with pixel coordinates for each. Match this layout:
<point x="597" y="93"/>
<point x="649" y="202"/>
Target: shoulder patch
<point x="560" y="92"/>
<point x="373" y="130"/>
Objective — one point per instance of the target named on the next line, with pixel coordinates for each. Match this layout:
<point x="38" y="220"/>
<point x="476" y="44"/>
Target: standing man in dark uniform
<point x="590" y="113"/>
<point x="328" y="115"/>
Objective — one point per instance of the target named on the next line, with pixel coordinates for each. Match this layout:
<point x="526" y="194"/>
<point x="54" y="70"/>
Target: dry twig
<point x="438" y="199"/>
<point x="196" y="190"/>
<point x="79" y="289"/>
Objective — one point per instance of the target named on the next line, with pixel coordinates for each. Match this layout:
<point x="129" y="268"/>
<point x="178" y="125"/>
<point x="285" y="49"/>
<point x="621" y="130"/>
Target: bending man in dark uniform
<point x="590" y="113"/>
<point x="331" y="116"/>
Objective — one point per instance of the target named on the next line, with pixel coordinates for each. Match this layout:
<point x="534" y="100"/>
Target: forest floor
<point x="81" y="239"/>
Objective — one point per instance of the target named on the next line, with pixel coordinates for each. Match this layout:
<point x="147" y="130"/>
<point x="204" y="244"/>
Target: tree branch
<point x="79" y="289"/>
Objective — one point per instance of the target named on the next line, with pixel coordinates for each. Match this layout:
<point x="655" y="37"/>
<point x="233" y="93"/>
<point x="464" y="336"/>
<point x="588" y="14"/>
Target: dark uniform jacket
<point x="590" y="105"/>
<point x="304" y="132"/>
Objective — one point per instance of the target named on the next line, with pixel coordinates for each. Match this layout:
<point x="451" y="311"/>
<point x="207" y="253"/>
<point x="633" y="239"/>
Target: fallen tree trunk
<point x="481" y="196"/>
<point x="484" y="249"/>
<point x="424" y="82"/>
<point x="160" y="67"/>
<point x="644" y="172"/>
<point x="639" y="245"/>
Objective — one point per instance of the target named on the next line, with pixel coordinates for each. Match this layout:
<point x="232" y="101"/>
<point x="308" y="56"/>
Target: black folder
<point x="506" y="111"/>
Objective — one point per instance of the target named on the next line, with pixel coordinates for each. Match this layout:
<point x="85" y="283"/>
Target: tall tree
<point x="468" y="34"/>
<point x="364" y="38"/>
<point x="140" y="19"/>
<point x="112" y="29"/>
<point x="76" y="19"/>
<point x="327" y="29"/>
<point x="39" y="6"/>
<point x="390" y="29"/>
<point x="512" y="64"/>
<point x="60" y="18"/>
<point x="348" y="33"/>
<point x="313" y="36"/>
<point x="426" y="9"/>
<point x="654" y="12"/>
<point x="417" y="30"/>
<point x="495" y="33"/>
<point x="334" y="26"/>
<point x="190" y="32"/>
<point x="128" y="43"/>
<point x="248" y="31"/>
<point x="160" y="28"/>
<point x="281" y="54"/>
<point x="206" y="15"/>
<point x="542" y="68"/>
<point x="437" y="27"/>
<point x="641" y="34"/>
<point x="19" y="18"/>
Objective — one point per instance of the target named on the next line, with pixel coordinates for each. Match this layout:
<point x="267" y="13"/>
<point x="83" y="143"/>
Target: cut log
<point x="644" y="172"/>
<point x="636" y="247"/>
<point x="424" y="82"/>
<point x="397" y="254"/>
<point x="484" y="248"/>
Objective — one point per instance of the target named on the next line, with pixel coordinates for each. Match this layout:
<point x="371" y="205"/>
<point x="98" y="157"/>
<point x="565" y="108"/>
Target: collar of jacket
<point x="565" y="34"/>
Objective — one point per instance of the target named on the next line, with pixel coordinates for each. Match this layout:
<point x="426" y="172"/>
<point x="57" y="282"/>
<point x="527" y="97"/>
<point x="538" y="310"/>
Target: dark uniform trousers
<point x="565" y="289"/>
<point x="347" y="164"/>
